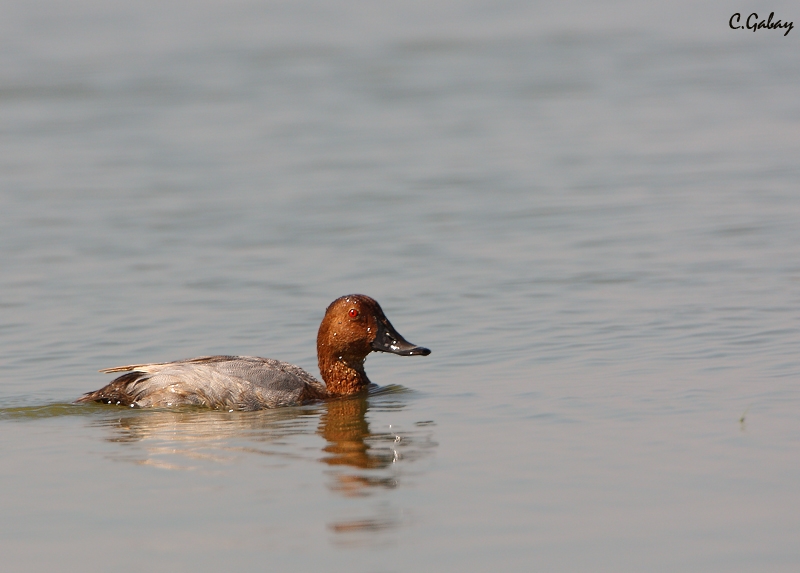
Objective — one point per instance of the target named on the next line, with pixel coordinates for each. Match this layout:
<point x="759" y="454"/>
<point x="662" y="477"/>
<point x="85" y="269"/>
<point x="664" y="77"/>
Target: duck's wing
<point x="264" y="372"/>
<point x="156" y="366"/>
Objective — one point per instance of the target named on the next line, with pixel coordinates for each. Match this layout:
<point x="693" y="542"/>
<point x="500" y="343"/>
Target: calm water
<point x="589" y="214"/>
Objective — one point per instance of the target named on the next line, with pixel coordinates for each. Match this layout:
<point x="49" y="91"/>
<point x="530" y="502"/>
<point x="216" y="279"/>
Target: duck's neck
<point x="343" y="376"/>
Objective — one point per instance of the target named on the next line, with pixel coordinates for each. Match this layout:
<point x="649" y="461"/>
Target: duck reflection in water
<point x="344" y="425"/>
<point x="359" y="462"/>
<point x="191" y="439"/>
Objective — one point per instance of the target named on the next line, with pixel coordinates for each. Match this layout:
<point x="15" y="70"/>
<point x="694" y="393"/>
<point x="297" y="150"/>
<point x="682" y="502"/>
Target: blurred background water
<point x="589" y="212"/>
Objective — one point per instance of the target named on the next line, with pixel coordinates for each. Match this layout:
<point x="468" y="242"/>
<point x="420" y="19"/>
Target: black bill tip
<point x="421" y="350"/>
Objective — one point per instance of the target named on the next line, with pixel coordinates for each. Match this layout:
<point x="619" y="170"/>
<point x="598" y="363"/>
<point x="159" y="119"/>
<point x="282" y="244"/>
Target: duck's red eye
<point x="353" y="313"/>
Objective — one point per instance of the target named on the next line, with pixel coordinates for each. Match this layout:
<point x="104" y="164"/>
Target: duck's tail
<point x="117" y="392"/>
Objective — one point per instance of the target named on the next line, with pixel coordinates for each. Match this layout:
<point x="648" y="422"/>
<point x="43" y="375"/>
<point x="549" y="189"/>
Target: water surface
<point x="588" y="213"/>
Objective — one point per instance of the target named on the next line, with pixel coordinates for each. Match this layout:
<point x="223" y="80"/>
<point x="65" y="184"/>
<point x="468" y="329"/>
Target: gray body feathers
<point x="222" y="382"/>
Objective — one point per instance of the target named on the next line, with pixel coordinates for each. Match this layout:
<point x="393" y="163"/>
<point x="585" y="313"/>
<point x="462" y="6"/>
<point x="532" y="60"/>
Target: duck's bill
<point x="389" y="340"/>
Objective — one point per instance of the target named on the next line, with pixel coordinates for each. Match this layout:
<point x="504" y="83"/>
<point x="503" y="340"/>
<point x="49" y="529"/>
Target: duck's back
<point x="225" y="382"/>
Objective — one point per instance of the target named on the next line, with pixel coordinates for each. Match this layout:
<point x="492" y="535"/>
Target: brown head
<point x="354" y="326"/>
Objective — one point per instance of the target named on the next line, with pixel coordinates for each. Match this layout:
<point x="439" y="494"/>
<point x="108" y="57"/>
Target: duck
<point x="353" y="326"/>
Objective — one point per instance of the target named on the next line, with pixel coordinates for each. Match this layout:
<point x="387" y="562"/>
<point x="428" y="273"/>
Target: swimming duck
<point x="353" y="326"/>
